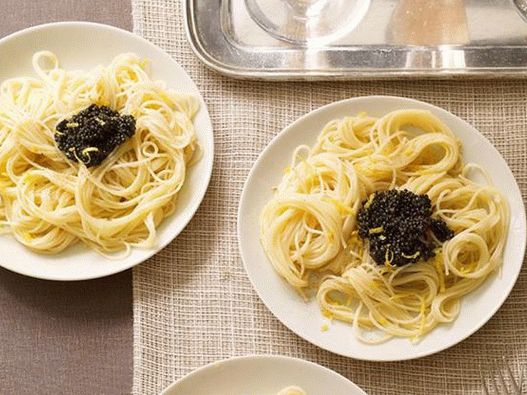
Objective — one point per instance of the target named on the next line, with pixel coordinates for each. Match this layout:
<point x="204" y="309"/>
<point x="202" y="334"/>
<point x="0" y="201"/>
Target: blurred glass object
<point x="307" y="22"/>
<point x="429" y="23"/>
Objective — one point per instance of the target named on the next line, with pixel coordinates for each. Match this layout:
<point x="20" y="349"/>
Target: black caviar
<point x="92" y="134"/>
<point x="399" y="227"/>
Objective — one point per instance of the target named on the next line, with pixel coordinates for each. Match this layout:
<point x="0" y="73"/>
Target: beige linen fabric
<point x="193" y="303"/>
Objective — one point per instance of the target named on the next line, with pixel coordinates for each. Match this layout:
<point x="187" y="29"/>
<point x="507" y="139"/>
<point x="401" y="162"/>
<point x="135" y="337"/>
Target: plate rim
<point x="209" y="146"/>
<point x="276" y="139"/>
<point x="280" y="357"/>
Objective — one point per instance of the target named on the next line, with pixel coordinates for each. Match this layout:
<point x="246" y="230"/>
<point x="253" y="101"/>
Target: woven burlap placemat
<point x="193" y="303"/>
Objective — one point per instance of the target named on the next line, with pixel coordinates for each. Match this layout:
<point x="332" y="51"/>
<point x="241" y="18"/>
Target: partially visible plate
<point x="262" y="375"/>
<point x="83" y="45"/>
<point x="304" y="318"/>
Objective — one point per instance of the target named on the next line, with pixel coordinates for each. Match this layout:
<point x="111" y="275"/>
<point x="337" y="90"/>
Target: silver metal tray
<point x="489" y="42"/>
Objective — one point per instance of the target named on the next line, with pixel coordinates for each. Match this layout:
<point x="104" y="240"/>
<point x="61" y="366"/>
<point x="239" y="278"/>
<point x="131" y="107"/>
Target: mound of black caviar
<point x="93" y="133"/>
<point x="399" y="227"/>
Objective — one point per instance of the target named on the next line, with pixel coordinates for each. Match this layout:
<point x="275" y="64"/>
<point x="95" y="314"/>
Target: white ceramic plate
<point x="305" y="319"/>
<point x="262" y="375"/>
<point x="82" y="45"/>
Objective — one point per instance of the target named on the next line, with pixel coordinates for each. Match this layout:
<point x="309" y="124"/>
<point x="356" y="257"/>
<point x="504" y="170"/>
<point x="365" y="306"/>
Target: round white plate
<point x="305" y="319"/>
<point x="262" y="375"/>
<point x="82" y="45"/>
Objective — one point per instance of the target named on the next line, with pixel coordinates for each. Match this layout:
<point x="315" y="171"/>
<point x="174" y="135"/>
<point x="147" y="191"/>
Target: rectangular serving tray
<point x="489" y="42"/>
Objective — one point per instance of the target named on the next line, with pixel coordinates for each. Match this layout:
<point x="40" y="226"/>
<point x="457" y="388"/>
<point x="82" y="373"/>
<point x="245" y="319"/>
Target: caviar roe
<point x="92" y="134"/>
<point x="399" y="227"/>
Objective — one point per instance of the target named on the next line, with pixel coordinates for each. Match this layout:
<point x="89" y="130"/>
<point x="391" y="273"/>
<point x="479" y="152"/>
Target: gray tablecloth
<point x="64" y="338"/>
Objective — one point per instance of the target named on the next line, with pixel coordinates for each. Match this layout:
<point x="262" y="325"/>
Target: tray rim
<point x="244" y="73"/>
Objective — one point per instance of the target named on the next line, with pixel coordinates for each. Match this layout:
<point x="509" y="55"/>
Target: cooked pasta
<point x="49" y="202"/>
<point x="309" y="228"/>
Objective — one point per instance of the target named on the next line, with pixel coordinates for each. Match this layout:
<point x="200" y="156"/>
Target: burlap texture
<point x="193" y="303"/>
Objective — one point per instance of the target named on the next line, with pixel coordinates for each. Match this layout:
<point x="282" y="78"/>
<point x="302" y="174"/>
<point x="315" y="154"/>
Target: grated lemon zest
<point x="368" y="203"/>
<point x="411" y="256"/>
<point x="89" y="149"/>
<point x="440" y="274"/>
<point x="376" y="230"/>
<point x="388" y="259"/>
<point x="327" y="314"/>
